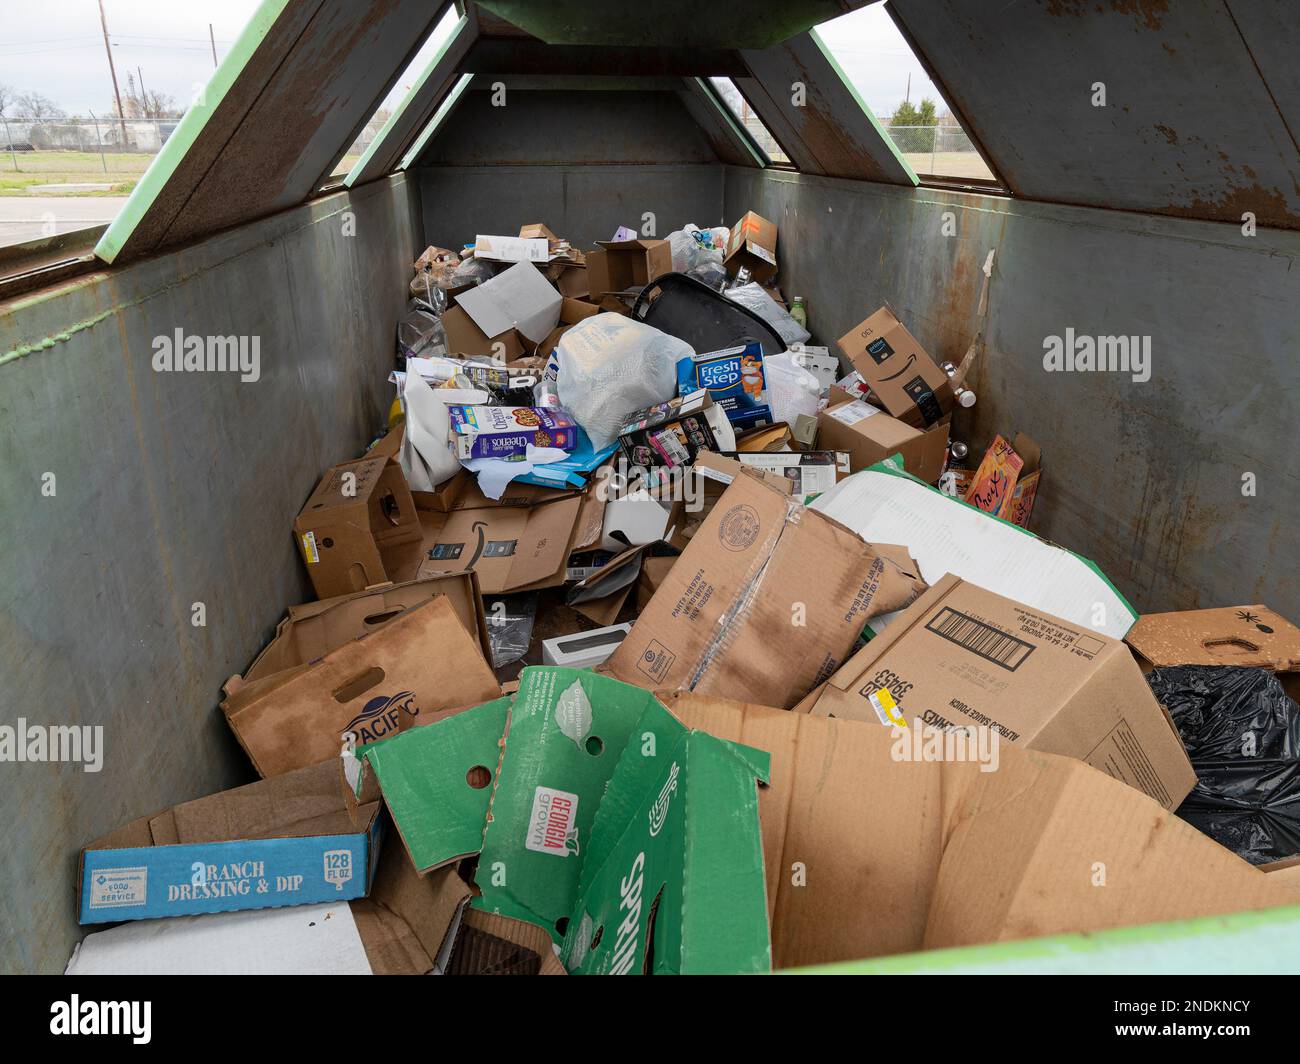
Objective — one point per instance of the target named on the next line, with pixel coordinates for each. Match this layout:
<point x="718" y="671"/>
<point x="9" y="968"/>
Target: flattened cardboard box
<point x="1246" y="636"/>
<point x="869" y="435"/>
<point x="283" y="841"/>
<point x="722" y="619"/>
<point x="402" y="674"/>
<point x="611" y="816"/>
<point x="511" y="547"/>
<point x="313" y="629"/>
<point x="952" y="855"/>
<point x="359" y="528"/>
<point x="902" y="376"/>
<point x="961" y="655"/>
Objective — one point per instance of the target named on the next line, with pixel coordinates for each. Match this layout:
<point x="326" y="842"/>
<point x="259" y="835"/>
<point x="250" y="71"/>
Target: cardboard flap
<point x="517" y="298"/>
<point x="674" y="880"/>
<point x="1250" y="636"/>
<point x="438" y="781"/>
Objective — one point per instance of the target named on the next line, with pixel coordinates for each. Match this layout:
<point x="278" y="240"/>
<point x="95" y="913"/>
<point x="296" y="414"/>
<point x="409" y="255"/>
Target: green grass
<point x="120" y="169"/>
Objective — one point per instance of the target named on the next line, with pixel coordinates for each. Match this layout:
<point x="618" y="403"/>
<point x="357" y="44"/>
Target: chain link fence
<point x="144" y="136"/>
<point x="945" y="151"/>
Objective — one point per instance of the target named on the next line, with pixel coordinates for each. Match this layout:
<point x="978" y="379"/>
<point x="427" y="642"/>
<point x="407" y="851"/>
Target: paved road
<point x="30" y="217"/>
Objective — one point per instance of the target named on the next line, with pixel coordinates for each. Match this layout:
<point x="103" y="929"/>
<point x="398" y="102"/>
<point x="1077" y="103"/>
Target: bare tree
<point x="8" y="100"/>
<point x="36" y="107"/>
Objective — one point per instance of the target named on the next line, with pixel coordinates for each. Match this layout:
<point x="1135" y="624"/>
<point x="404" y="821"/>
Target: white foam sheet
<point x="947" y="536"/>
<point x="298" y="940"/>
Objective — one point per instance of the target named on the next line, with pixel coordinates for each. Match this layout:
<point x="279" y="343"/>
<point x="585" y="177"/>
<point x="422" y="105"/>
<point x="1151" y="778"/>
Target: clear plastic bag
<point x="754" y="297"/>
<point x="609" y="367"/>
<point x="693" y="248"/>
<point x="510" y="620"/>
<point x="420" y="333"/>
<point x="472" y="271"/>
<point x="791" y="389"/>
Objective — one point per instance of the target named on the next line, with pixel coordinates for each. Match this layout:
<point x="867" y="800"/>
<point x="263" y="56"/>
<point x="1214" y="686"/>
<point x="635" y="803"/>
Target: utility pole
<point x="907" y="96"/>
<point x="213" y="38"/>
<point x="108" y="48"/>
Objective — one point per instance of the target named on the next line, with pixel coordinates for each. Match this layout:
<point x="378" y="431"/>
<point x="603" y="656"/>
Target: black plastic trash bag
<point x="1242" y="734"/>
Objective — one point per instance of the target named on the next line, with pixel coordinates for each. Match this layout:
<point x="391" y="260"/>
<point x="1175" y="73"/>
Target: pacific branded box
<point x="284" y="841"/>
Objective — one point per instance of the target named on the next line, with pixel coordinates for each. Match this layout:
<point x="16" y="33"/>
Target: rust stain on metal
<point x="1169" y="134"/>
<point x="1151" y="13"/>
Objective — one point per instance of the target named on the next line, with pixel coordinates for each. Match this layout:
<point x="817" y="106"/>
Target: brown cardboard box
<point x="448" y="491"/>
<point x="1245" y="636"/>
<point x="956" y="856"/>
<point x="870" y="435"/>
<point x="313" y="629"/>
<point x="518" y="543"/>
<point x="359" y="528"/>
<point x="752" y="243"/>
<point x="765" y="602"/>
<point x="623" y="264"/>
<point x="572" y="311"/>
<point x="399" y="675"/>
<point x="466" y="338"/>
<point x="653" y="573"/>
<point x="409" y="923"/>
<point x="901" y="375"/>
<point x="961" y="655"/>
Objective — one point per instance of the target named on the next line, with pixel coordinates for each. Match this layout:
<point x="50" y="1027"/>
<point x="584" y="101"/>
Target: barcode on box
<point x="991" y="644"/>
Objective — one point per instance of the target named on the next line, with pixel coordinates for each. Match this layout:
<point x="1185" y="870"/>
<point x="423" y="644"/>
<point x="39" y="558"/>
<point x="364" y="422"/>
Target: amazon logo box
<point x="905" y="380"/>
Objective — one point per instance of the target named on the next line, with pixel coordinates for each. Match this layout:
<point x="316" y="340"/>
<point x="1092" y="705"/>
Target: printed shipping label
<point x="852" y="413"/>
<point x="886" y="708"/>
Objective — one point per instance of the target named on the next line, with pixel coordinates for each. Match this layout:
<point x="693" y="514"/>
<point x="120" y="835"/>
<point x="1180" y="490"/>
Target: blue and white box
<point x="735" y="380"/>
<point x="288" y="840"/>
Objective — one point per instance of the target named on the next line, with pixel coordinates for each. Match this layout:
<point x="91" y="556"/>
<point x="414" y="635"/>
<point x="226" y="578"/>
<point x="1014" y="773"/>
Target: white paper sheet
<point x="512" y="248"/>
<point x="495" y="474"/>
<point x="518" y="298"/>
<point x="947" y="536"/>
<point x="299" y="940"/>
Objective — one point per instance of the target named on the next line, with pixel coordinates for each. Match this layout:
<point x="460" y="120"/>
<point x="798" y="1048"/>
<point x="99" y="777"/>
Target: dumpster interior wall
<point x="1146" y="478"/>
<point x="195" y="482"/>
<point x="583" y="162"/>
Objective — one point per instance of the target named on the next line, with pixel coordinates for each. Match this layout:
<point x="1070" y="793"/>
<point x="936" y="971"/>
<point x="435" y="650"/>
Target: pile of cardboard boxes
<point x="797" y="692"/>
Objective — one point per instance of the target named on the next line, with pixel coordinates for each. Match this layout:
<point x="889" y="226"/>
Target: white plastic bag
<point x="791" y="389"/>
<point x="753" y="297"/>
<point x="611" y="366"/>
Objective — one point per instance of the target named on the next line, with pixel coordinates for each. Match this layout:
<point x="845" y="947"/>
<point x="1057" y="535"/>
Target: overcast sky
<point x="56" y="48"/>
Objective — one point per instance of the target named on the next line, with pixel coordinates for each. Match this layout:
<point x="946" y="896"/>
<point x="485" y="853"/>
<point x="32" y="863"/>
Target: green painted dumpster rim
<point x="1263" y="941"/>
<point x="191" y="125"/>
<point x="379" y="142"/>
